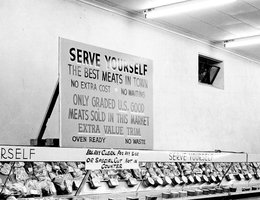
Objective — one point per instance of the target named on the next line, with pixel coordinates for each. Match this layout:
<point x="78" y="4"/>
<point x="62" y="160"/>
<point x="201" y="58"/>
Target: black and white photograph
<point x="129" y="99"/>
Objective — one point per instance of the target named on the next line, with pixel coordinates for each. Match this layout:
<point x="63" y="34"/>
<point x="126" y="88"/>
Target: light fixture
<point x="184" y="7"/>
<point x="253" y="40"/>
<point x="157" y="3"/>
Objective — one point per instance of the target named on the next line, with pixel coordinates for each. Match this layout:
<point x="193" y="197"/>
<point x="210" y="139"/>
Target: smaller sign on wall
<point x="111" y="159"/>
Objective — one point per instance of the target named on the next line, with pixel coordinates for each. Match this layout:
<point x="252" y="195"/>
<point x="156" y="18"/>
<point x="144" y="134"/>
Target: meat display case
<point x="63" y="173"/>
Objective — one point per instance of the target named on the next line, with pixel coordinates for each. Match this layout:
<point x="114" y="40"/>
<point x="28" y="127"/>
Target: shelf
<point x="142" y="195"/>
<point x="253" y="158"/>
<point x="30" y="153"/>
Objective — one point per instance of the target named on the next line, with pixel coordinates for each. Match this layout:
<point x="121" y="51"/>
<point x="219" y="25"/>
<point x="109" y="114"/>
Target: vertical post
<point x="83" y="182"/>
<point x="12" y="167"/>
<point x="39" y="141"/>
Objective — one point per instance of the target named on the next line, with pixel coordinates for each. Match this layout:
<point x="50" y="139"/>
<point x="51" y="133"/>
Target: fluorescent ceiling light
<point x="184" y="7"/>
<point x="242" y="42"/>
<point x="157" y="3"/>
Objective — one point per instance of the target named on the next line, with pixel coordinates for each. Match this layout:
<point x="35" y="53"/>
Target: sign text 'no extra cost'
<point x="106" y="98"/>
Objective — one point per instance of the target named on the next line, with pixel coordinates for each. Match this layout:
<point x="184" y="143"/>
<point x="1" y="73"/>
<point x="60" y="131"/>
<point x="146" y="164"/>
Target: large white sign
<point x="106" y="98"/>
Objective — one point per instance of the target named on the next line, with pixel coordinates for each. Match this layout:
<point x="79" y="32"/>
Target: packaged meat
<point x="47" y="188"/>
<point x="11" y="198"/>
<point x="5" y="169"/>
<point x="148" y="182"/>
<point x="64" y="167"/>
<point x="59" y="183"/>
<point x="68" y="186"/>
<point x="112" y="182"/>
<point x="33" y="187"/>
<point x="29" y="168"/>
<point x="20" y="174"/>
<point x="131" y="181"/>
<point x="19" y="164"/>
<point x="17" y="188"/>
<point x="94" y="182"/>
<point x="136" y="174"/>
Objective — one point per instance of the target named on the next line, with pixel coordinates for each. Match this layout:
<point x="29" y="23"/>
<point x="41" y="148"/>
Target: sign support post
<point x="83" y="182"/>
<point x="49" y="141"/>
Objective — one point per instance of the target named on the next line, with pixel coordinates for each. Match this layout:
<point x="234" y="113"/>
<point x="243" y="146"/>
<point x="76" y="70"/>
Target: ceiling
<point x="215" y="25"/>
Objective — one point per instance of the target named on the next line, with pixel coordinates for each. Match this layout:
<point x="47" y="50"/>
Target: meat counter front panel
<point x="152" y="180"/>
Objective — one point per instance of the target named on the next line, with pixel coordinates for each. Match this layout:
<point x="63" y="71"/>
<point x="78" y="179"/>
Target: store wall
<point x="187" y="115"/>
